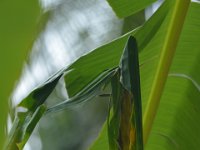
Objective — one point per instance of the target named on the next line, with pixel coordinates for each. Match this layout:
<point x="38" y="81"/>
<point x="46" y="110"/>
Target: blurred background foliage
<point x="73" y="28"/>
<point x="17" y="32"/>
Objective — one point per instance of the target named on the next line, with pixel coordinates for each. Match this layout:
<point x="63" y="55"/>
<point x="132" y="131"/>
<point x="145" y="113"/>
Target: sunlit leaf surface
<point x="177" y="121"/>
<point x="124" y="8"/>
<point x="183" y="69"/>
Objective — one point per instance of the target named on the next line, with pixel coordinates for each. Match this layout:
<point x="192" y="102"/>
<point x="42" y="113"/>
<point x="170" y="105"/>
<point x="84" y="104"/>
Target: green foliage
<point x="176" y="125"/>
<point x="25" y="122"/>
<point x="17" y="30"/>
<point x="176" y="122"/>
<point x="125" y="119"/>
<point x="124" y="8"/>
<point x="177" y="15"/>
<point x="23" y="126"/>
<point x="102" y="142"/>
<point x="108" y="56"/>
<point x="88" y="92"/>
<point x="152" y="36"/>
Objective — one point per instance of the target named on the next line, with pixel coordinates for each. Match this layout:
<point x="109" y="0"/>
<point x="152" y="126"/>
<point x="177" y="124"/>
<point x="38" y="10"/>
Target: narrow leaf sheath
<point x="115" y="112"/>
<point x="125" y="119"/>
<point x="130" y="79"/>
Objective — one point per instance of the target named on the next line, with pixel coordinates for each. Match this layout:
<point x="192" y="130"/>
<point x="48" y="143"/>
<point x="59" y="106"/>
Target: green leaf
<point x="17" y="31"/>
<point x="130" y="80"/>
<point x="25" y="122"/>
<point x="114" y="116"/>
<point x="174" y="28"/>
<point x="85" y="69"/>
<point x="176" y="125"/>
<point x="124" y="8"/>
<point x="125" y="118"/>
<point x="40" y="94"/>
<point x="87" y="93"/>
<point x="102" y="141"/>
<point x="31" y="122"/>
<point x="23" y="126"/>
<point x="177" y="121"/>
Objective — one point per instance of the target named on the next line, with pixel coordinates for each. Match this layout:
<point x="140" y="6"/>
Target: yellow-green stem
<point x="179" y="12"/>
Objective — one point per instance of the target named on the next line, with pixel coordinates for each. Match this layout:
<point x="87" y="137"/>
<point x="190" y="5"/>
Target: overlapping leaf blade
<point x="176" y="125"/>
<point x="87" y="93"/>
<point x="130" y="80"/>
<point x="178" y="104"/>
<point x="124" y="8"/>
<point x="108" y="56"/>
<point x="178" y="112"/>
<point x="25" y="122"/>
<point x="143" y="41"/>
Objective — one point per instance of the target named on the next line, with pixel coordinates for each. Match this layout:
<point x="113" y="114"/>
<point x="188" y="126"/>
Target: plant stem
<point x="176" y="22"/>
